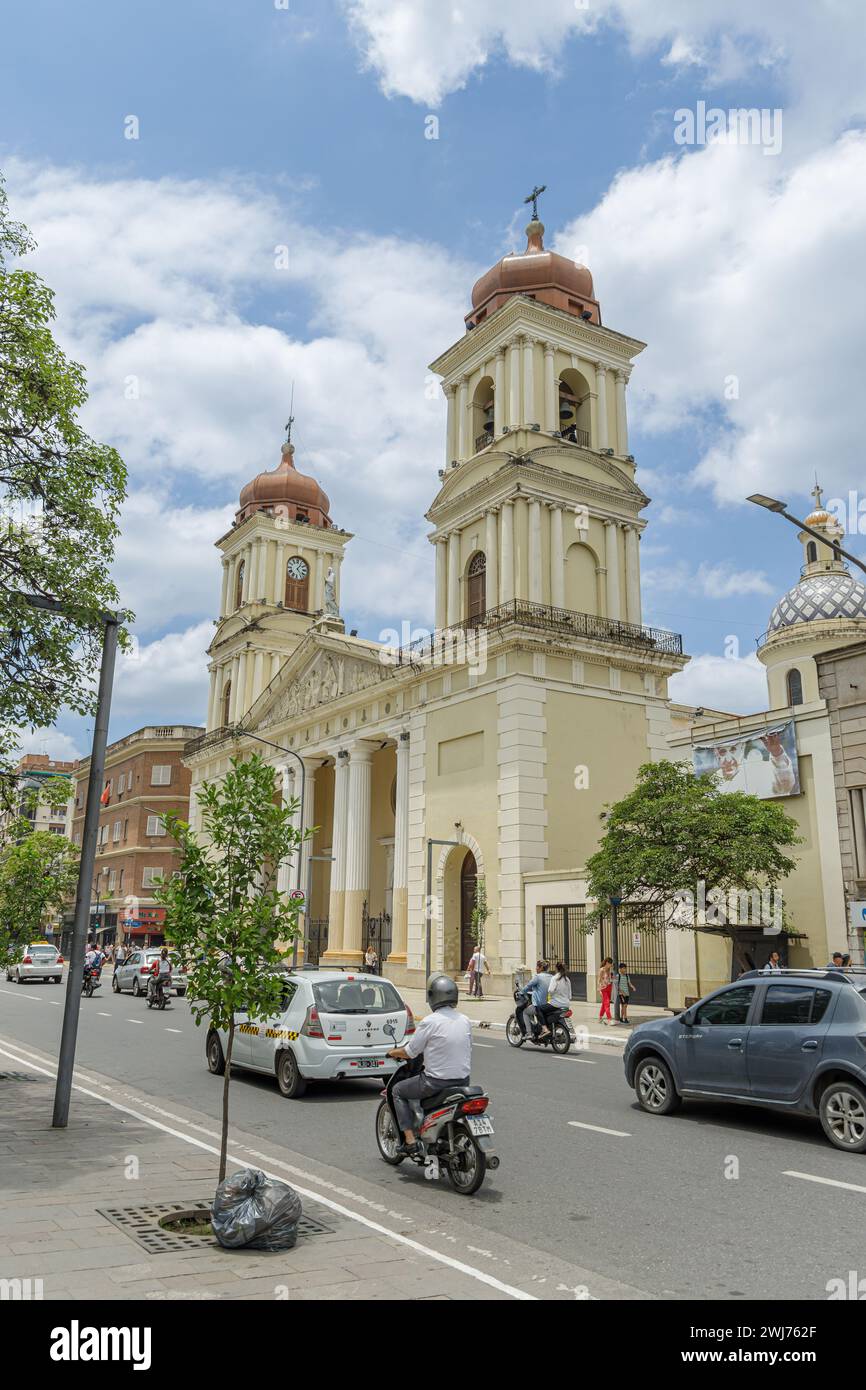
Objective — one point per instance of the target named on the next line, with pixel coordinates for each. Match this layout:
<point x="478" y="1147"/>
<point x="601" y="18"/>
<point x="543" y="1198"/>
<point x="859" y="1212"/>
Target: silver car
<point x="39" y="961"/>
<point x="134" y="974"/>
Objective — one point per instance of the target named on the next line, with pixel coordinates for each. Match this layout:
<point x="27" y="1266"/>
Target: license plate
<point x="369" y="1062"/>
<point x="478" y="1124"/>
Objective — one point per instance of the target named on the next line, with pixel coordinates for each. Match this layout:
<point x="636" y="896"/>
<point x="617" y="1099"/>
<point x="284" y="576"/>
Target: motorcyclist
<point x="93" y="959"/>
<point x="558" y="999"/>
<point x="161" y="969"/>
<point x="445" y="1039"/>
<point x="534" y="995"/>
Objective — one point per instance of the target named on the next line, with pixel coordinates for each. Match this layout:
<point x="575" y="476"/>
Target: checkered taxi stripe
<point x="253" y="1028"/>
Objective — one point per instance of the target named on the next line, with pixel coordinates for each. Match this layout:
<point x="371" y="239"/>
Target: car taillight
<point x="410" y="1020"/>
<point x="60" y="961"/>
<point x="28" y="960"/>
<point x="476" y="1106"/>
<point x="312" y="1028"/>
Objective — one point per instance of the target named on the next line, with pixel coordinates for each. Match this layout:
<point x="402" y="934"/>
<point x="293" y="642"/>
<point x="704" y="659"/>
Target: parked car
<point x="332" y="1024"/>
<point x="793" y="1040"/>
<point x="38" y="961"/>
<point x="135" y="972"/>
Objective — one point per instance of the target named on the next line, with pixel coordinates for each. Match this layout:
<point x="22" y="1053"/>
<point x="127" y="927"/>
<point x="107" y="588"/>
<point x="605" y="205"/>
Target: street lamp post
<point x="773" y="505"/>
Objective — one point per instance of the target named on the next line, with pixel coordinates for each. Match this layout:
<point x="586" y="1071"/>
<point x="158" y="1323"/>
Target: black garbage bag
<point x="250" y="1209"/>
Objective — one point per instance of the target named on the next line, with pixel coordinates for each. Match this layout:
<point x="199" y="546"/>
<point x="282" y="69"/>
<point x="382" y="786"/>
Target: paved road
<point x="585" y="1174"/>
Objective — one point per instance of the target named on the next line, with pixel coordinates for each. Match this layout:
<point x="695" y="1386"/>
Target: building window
<point x="476" y="602"/>
<point x="122" y="783"/>
<point x="811" y="552"/>
<point x="116" y="832"/>
<point x="795" y="687"/>
<point x="297" y="584"/>
<point x="112" y="877"/>
<point x="120" y="884"/>
<point x="160" y="775"/>
<point x="239" y="584"/>
<point x="858" y="829"/>
<point x="150" y="877"/>
<point x="125" y="828"/>
<point x="155" y="826"/>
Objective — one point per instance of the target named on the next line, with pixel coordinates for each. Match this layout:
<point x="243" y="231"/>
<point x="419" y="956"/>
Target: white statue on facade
<point x="331" y="594"/>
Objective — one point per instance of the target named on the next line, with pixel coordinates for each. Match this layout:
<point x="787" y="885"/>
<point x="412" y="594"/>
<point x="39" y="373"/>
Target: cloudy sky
<point x="305" y="124"/>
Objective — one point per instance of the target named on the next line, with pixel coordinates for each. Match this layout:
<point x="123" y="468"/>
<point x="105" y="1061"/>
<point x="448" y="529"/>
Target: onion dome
<point x="286" y="492"/>
<point x="538" y="274"/>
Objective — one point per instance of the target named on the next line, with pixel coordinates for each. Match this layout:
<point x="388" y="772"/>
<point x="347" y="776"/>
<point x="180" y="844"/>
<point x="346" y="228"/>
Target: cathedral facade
<point x="467" y="772"/>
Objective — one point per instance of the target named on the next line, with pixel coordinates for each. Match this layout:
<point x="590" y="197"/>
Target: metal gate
<point x="317" y="940"/>
<point x="642" y="945"/>
<point x="378" y="930"/>
<point x="563" y="938"/>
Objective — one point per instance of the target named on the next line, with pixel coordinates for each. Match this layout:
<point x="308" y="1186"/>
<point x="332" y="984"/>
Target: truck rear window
<point x="357" y="997"/>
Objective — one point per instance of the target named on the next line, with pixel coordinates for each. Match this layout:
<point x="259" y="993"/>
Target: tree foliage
<point x="38" y="874"/>
<point x="224" y="913"/>
<point x="676" y="831"/>
<point x="60" y="495"/>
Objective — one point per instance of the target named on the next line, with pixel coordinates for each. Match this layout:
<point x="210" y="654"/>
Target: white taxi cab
<point x="333" y="1024"/>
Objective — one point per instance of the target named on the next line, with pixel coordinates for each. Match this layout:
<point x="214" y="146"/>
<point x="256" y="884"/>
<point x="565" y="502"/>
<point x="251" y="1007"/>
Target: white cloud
<point x="714" y="581"/>
<point x="167" y="679"/>
<point x="736" y="685"/>
<point x="57" y="745"/>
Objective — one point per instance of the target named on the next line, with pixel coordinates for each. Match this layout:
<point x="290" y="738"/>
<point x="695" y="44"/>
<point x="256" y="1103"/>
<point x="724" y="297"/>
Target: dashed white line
<point x="826" y="1182"/>
<point x="102" y="1014"/>
<point x="600" y="1129"/>
<point x="173" y="1030"/>
<point x="135" y="1020"/>
<point x="16" y="994"/>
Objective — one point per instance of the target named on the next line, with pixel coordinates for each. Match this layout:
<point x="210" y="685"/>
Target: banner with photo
<point x="763" y="763"/>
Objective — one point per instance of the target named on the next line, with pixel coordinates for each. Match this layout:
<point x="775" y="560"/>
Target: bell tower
<point x="538" y="502"/>
<point x="281" y="577"/>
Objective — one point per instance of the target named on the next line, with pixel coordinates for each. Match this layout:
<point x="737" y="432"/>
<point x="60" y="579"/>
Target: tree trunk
<point x="224" y="1137"/>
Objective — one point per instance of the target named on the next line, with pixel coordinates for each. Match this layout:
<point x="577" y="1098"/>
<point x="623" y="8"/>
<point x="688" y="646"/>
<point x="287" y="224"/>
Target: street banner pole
<point x="66" y="1061"/>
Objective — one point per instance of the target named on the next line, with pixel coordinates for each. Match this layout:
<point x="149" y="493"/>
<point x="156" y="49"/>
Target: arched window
<point x="297" y="584"/>
<point x="476" y="575"/>
<point x="227" y="700"/>
<point x="482" y="414"/>
<point x="811" y="552"/>
<point x="239" y="584"/>
<point x="795" y="687"/>
<point x="574" y="409"/>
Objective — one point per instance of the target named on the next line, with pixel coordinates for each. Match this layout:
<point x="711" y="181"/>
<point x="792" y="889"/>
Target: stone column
<point x="441" y="546"/>
<point x="465" y="448"/>
<point x="247" y="558"/>
<point x="601" y="408"/>
<point x="515" y="415"/>
<point x="233" y="695"/>
<point x="557" y="559"/>
<point x="536" y="591"/>
<point x="453" y="578"/>
<point x="317" y="598"/>
<point x="621" y="417"/>
<point x="306" y="822"/>
<point x="338" y="852"/>
<point x="336" y="561"/>
<point x="241" y="707"/>
<point x="491" y="578"/>
<point x="280" y="572"/>
<point x="400" y="904"/>
<point x="212" y="698"/>
<point x="357" y="852"/>
<point x="611" y="560"/>
<point x="551" y="416"/>
<point x="529" y="412"/>
<point x="506" y="568"/>
<point x="287" y="871"/>
<point x="258" y="674"/>
<point x="224" y="592"/>
<point x="499" y="394"/>
<point x="450" y="432"/>
<point x="632" y="573"/>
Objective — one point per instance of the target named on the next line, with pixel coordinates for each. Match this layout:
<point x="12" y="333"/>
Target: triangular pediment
<point x="322" y="670"/>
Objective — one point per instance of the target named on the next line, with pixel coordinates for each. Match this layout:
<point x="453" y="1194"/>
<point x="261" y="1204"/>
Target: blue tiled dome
<point x="818" y="597"/>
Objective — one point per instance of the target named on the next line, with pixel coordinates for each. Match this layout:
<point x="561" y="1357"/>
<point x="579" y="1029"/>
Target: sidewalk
<point x="495" y="1011"/>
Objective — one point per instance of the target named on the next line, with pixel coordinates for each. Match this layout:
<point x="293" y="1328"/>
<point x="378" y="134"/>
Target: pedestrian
<point x="479" y="967"/>
<point x="773" y="964"/>
<point x="625" y="989"/>
<point x="371" y="960"/>
<point x="605" y="988"/>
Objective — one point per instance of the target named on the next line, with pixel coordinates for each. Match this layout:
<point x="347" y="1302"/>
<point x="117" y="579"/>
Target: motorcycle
<point x="560" y="1037"/>
<point x="452" y="1128"/>
<point x="91" y="980"/>
<point x="157" y="998"/>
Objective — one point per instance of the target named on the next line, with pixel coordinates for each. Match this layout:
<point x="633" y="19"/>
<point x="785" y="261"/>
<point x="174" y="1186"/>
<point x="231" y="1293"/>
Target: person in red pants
<point x="605" y="986"/>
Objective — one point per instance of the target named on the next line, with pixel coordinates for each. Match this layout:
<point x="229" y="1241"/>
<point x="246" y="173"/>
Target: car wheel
<point x="388" y="1135"/>
<point x="181" y="993"/>
<point x="18" y="979"/>
<point x="137" y="991"/>
<point x="289" y="1078"/>
<point x="216" y="1061"/>
<point x="654" y="1086"/>
<point x="843" y="1116"/>
<point x="114" y="984"/>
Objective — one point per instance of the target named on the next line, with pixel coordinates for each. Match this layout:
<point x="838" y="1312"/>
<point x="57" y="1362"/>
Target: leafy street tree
<point x="38" y="873"/>
<point x="60" y="495"/>
<point x="678" y="840"/>
<point x="223" y="911"/>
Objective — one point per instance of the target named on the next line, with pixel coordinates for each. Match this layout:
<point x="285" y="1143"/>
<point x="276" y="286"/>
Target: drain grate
<point x="141" y="1224"/>
<point x="21" y="1076"/>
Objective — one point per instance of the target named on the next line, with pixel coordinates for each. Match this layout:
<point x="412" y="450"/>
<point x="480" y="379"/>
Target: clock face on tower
<point x="297" y="568"/>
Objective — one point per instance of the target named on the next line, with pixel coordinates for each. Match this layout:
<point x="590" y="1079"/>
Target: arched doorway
<point x="468" y="880"/>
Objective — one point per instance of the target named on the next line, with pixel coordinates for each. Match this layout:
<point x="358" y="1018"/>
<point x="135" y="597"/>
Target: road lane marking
<point x="16" y="994"/>
<point x="477" y="1044"/>
<point x="173" y="1030"/>
<point x="600" y="1129"/>
<point x="827" y="1182"/>
<point x="135" y="1020"/>
<point x="484" y="1278"/>
<point x="102" y="1014"/>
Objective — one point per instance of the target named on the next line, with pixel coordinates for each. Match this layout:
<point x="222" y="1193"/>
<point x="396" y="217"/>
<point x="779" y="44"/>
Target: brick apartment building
<point x="144" y="778"/>
<point x="30" y="770"/>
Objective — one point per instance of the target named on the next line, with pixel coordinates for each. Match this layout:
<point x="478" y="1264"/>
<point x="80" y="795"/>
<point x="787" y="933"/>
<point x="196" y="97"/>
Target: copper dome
<point x="539" y="274"/>
<point x="287" y="492"/>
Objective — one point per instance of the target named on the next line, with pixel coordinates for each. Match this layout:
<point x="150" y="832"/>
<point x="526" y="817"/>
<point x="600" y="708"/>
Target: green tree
<point x="480" y="912"/>
<point x="38" y="873"/>
<point x="677" y="838"/>
<point x="223" y="911"/>
<point x="60" y="495"/>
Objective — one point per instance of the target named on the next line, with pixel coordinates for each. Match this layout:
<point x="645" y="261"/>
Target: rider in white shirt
<point x="445" y="1039"/>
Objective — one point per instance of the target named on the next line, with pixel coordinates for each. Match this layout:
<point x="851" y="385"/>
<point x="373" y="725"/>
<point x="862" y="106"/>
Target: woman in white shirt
<point x="558" y="997"/>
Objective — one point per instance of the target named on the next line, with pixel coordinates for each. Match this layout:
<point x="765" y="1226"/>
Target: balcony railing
<point x="573" y="435"/>
<point x="544" y="617"/>
<point x="482" y="440"/>
<point x="208" y="740"/>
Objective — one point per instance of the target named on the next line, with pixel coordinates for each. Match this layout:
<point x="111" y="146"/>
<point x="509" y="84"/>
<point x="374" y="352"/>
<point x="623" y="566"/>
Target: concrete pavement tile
<point x="42" y="1245"/>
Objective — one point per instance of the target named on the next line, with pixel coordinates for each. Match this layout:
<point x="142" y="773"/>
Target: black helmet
<point x="441" y="992"/>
